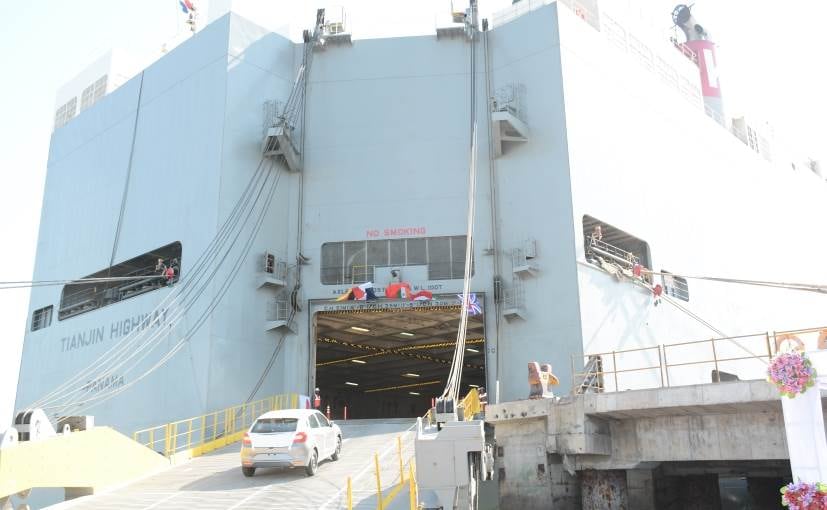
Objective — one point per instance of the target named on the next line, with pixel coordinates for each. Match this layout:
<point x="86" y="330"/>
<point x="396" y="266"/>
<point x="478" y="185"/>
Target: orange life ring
<point x="779" y="339"/>
<point x="822" y="339"/>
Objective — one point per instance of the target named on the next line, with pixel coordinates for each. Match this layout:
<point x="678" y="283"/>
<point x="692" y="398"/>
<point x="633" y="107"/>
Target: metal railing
<point x="510" y="98"/>
<point x="391" y="471"/>
<point x="592" y="381"/>
<point x="278" y="309"/>
<point x="471" y="405"/>
<point x="93" y="295"/>
<point x="272" y="111"/>
<point x="611" y="251"/>
<point x="525" y="6"/>
<point x="211" y="430"/>
<point x="361" y="273"/>
<point x="676" y="364"/>
<point x="275" y="266"/>
<point x="513" y="296"/>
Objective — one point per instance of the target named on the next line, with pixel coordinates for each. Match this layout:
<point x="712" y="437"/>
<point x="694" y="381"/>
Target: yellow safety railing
<point x="399" y="469"/>
<point x="201" y="434"/>
<point x="471" y="405"/>
<point x="663" y="361"/>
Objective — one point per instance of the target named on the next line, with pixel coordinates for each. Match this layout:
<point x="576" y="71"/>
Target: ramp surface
<point x="92" y="460"/>
<point x="214" y="481"/>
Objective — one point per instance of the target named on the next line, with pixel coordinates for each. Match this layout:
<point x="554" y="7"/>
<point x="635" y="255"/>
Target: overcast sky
<point x="772" y="64"/>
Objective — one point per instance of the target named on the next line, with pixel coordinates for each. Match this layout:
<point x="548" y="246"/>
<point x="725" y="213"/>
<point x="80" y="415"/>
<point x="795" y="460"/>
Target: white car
<point x="290" y="438"/>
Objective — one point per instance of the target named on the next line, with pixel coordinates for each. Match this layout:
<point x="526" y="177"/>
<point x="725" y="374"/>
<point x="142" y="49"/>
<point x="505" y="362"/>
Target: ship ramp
<point x="215" y="481"/>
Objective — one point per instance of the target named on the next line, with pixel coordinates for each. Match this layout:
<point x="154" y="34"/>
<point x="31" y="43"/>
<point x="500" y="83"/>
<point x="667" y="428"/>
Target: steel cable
<point x="178" y="292"/>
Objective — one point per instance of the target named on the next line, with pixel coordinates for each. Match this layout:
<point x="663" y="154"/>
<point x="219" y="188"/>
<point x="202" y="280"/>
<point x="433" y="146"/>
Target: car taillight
<point x="246" y="442"/>
<point x="300" y="437"/>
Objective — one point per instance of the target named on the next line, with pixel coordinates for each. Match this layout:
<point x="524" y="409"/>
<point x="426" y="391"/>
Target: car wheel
<point x="338" y="451"/>
<point x="313" y="464"/>
<point x="248" y="471"/>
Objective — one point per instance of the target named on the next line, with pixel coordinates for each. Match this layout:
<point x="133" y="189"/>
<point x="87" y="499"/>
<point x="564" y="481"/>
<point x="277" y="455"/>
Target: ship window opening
<point x="354" y="262"/>
<point x="675" y="286"/>
<point x="610" y="244"/>
<point x="42" y="318"/>
<point x="66" y="112"/>
<point x="93" y="93"/>
<point x="417" y="252"/>
<point x="439" y="258"/>
<point x="144" y="273"/>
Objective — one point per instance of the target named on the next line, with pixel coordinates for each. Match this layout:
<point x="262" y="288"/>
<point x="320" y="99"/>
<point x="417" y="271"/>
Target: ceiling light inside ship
<point x="391" y="354"/>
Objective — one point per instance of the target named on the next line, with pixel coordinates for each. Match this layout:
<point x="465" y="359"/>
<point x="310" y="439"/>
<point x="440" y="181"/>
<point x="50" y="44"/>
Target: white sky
<point x="772" y="64"/>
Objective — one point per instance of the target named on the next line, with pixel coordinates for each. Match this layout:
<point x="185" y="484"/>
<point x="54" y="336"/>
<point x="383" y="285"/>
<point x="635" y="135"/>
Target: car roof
<point x="289" y="413"/>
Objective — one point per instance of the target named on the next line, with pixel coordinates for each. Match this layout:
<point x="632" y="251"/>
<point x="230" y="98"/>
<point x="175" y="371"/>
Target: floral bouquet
<point x="804" y="496"/>
<point x="792" y="372"/>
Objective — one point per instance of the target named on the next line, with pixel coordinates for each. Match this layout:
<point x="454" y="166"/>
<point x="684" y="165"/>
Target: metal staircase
<point x="593" y="377"/>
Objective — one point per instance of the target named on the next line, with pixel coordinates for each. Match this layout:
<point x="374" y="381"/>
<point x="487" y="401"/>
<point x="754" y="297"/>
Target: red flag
<point x="422" y="295"/>
<point x="398" y="291"/>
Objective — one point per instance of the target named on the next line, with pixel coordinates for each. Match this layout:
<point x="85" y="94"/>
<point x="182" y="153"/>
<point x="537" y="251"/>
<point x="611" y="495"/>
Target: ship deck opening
<point x="382" y="362"/>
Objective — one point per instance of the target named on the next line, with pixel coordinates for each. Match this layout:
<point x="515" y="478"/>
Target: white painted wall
<point x="647" y="162"/>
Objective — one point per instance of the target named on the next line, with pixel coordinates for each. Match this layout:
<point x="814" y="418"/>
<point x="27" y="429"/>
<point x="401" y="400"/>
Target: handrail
<point x="403" y="462"/>
<point x="201" y="434"/>
<point x="401" y="469"/>
<point x="769" y="340"/>
<point x="471" y="405"/>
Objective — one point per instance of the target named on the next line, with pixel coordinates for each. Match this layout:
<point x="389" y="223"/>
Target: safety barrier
<point x="471" y="405"/>
<point x="399" y="470"/>
<point x="196" y="436"/>
<point x="666" y="365"/>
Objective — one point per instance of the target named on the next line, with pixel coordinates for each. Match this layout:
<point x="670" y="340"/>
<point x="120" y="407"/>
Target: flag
<point x="363" y="292"/>
<point x="422" y="295"/>
<point x="398" y="291"/>
<point x="186" y="6"/>
<point x="347" y="296"/>
<point x="472" y="304"/>
<point x="367" y="289"/>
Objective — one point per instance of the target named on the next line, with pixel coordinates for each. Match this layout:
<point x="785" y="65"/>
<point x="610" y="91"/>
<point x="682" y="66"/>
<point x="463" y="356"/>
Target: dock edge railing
<point x="763" y="347"/>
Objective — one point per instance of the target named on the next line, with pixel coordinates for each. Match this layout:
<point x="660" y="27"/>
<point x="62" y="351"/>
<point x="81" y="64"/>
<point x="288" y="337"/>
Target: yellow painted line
<point x="391" y="495"/>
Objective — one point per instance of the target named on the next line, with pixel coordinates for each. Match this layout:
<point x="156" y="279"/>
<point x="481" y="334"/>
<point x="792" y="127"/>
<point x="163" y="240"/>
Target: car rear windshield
<point x="273" y="425"/>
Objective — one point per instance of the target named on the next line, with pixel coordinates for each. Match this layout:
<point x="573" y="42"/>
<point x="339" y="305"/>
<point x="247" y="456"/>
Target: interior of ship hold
<point x="388" y="363"/>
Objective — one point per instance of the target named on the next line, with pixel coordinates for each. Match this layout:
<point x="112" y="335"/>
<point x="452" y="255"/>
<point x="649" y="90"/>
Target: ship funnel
<point x="697" y="40"/>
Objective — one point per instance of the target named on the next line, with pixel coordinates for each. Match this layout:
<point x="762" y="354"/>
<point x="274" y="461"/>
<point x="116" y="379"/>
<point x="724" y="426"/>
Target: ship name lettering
<point x="112" y="381"/>
<point x="83" y="339"/>
<point x="116" y="330"/>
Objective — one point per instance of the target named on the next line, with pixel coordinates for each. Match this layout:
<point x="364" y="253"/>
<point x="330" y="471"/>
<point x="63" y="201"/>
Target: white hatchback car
<point x="290" y="438"/>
